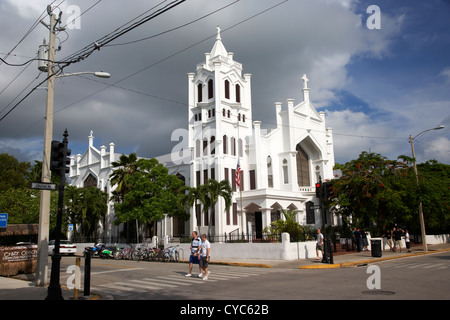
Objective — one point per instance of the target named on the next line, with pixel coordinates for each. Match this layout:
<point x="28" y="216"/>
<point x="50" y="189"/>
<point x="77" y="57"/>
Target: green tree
<point x="13" y="174"/>
<point x="376" y="190"/>
<point x="434" y="192"/>
<point x="148" y="193"/>
<point x="93" y="205"/>
<point x="373" y="189"/>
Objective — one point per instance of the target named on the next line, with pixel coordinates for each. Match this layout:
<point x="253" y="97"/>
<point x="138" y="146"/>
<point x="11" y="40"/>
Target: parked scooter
<point x="96" y="250"/>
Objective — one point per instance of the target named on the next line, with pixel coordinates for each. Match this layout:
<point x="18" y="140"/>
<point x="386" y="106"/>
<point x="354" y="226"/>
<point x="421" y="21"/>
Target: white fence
<point x="286" y="250"/>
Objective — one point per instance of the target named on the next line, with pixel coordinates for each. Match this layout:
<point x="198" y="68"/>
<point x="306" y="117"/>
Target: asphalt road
<point x="418" y="277"/>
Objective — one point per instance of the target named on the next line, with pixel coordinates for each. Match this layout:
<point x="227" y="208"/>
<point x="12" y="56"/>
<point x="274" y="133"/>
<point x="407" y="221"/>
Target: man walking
<point x="194" y="257"/>
<point x="205" y="250"/>
<point x="319" y="243"/>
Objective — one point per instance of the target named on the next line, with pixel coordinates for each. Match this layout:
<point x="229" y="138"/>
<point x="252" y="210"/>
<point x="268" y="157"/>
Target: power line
<point x="88" y="50"/>
<point x="176" y="28"/>
<point x="98" y="46"/>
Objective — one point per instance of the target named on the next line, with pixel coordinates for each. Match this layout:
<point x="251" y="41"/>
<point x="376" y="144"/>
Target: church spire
<point x="218" y="49"/>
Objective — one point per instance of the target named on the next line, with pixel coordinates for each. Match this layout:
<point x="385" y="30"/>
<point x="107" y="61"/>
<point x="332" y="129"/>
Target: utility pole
<point x="421" y="219"/>
<point x="44" y="212"/>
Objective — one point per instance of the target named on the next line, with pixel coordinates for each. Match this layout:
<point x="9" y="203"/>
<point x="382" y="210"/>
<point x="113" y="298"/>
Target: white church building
<point x="278" y="168"/>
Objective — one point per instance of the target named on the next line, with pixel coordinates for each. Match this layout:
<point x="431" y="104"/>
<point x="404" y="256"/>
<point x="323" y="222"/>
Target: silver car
<point x="65" y="247"/>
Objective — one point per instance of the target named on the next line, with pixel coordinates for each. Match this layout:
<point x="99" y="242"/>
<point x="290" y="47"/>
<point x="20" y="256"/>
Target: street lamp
<point x="422" y="222"/>
<point x="99" y="74"/>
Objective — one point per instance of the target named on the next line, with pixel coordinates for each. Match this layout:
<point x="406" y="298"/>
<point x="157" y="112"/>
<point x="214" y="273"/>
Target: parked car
<point x="65" y="247"/>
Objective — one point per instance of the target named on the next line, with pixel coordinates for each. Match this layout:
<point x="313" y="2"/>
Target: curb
<point x="355" y="263"/>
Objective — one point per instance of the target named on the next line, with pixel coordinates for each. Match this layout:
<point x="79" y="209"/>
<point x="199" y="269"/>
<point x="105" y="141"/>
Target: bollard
<point x="77" y="279"/>
<point x="87" y="273"/>
<point x="331" y="261"/>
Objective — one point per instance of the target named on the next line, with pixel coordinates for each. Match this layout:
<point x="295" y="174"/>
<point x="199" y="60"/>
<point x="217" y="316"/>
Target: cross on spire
<point x="218" y="33"/>
<point x="305" y="81"/>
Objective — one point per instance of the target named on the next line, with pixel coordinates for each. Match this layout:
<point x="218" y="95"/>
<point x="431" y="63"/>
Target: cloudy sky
<point x="377" y="86"/>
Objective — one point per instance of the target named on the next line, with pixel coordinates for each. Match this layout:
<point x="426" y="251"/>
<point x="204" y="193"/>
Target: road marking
<point x="168" y="281"/>
<point x="117" y="270"/>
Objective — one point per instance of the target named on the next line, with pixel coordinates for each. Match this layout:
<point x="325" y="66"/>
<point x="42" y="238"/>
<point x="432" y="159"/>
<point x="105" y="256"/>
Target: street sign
<point x="70" y="227"/>
<point x="315" y="207"/>
<point x="43" y="186"/>
<point x="3" y="220"/>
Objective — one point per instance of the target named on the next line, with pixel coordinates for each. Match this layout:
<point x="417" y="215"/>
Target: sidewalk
<point x="21" y="287"/>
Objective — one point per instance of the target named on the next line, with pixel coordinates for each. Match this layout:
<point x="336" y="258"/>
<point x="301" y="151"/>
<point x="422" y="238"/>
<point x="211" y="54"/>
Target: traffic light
<point x="328" y="190"/>
<point x="56" y="156"/>
<point x="59" y="158"/>
<point x="319" y="190"/>
<point x="67" y="161"/>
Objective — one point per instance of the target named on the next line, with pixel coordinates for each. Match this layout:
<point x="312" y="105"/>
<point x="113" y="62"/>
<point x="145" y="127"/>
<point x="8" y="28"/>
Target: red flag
<point x="238" y="174"/>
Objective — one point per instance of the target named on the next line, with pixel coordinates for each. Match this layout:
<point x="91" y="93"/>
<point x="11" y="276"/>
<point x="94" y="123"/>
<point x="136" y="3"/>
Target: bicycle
<point x="172" y="254"/>
<point x="127" y="252"/>
<point x="117" y="254"/>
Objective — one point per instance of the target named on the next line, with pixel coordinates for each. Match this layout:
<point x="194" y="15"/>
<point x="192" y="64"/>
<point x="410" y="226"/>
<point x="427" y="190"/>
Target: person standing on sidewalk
<point x="407" y="240"/>
<point x="397" y="233"/>
<point x="319" y="243"/>
<point x="205" y="251"/>
<point x="388" y="236"/>
<point x="194" y="257"/>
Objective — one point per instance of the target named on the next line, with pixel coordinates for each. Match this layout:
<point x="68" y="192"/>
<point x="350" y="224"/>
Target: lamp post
<point x="422" y="222"/>
<point x="44" y="210"/>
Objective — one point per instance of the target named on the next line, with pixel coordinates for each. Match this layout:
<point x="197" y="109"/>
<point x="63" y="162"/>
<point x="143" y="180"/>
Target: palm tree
<point x="210" y="192"/>
<point x="124" y="168"/>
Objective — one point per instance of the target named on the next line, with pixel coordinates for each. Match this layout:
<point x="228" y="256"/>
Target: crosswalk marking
<point x="170" y="281"/>
<point x="434" y="265"/>
<point x="162" y="281"/>
<point x="152" y="283"/>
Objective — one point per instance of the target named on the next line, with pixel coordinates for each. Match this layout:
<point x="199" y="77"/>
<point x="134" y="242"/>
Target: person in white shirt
<point x="407" y="241"/>
<point x="204" y="250"/>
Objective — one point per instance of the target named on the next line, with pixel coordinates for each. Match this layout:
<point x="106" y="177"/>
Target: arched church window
<point x="243" y="118"/>
<point x="227" y="89"/>
<point x="303" y="176"/>
<point x="205" y="146"/>
<point x="233" y="146"/>
<point x="238" y="93"/>
<point x="225" y="146"/>
<point x="223" y="112"/>
<point x="213" y="145"/>
<point x="228" y="113"/>
<point x="200" y="92"/>
<point x="90" y="181"/>
<point x="210" y="89"/>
